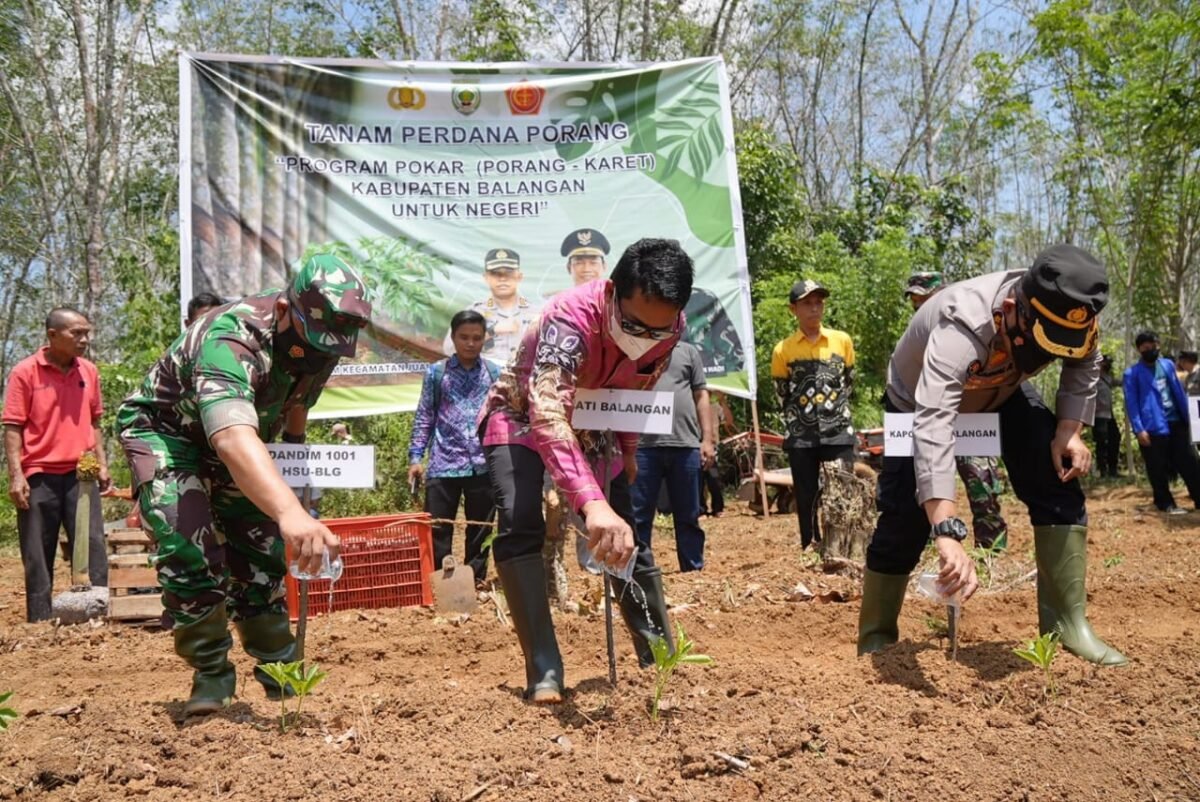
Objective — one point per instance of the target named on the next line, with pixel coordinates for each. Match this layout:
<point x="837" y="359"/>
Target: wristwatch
<point x="951" y="527"/>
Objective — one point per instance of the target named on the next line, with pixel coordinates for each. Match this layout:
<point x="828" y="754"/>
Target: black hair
<point x="58" y="317"/>
<point x="465" y="318"/>
<point x="1146" y="336"/>
<point x="202" y="300"/>
<point x="659" y="268"/>
<point x="1189" y="355"/>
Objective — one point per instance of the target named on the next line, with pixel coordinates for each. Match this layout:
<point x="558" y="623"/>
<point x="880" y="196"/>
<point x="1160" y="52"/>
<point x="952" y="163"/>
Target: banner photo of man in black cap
<point x="505" y="310"/>
<point x="972" y="348"/>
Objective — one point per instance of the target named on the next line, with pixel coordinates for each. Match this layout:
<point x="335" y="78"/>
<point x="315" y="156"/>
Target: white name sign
<point x="976" y="434"/>
<point x="638" y="411"/>
<point x="324" y="466"/>
<point x="1194" y="417"/>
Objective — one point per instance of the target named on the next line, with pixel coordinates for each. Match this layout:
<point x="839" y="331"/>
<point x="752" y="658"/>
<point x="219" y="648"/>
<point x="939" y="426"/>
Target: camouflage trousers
<point x="981" y="477"/>
<point x="214" y="546"/>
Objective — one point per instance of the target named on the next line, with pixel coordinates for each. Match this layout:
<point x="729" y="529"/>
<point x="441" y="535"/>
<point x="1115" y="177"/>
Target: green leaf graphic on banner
<point x="399" y="275"/>
<point x="692" y="126"/>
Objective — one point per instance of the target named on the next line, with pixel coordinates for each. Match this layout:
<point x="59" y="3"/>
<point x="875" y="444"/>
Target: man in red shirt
<point x="51" y="417"/>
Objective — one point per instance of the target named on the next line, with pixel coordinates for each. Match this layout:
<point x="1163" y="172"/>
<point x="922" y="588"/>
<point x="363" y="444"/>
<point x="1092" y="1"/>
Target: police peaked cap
<point x="1065" y="289"/>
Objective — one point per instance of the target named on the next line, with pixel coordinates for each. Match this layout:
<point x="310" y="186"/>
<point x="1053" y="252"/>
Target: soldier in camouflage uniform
<point x="980" y="475"/>
<point x="208" y="491"/>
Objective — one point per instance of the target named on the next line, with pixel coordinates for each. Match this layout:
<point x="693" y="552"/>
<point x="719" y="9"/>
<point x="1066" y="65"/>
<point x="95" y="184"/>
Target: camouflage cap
<point x="923" y="284"/>
<point x="330" y="302"/>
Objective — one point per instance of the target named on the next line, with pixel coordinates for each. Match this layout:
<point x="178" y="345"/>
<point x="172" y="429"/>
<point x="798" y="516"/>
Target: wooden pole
<point x="758" y="459"/>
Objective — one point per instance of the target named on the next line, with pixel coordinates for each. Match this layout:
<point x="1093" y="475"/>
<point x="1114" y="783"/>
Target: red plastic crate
<point x="386" y="562"/>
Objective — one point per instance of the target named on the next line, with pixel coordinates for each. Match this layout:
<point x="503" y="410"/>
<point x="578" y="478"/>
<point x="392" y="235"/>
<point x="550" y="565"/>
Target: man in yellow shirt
<point x="813" y="371"/>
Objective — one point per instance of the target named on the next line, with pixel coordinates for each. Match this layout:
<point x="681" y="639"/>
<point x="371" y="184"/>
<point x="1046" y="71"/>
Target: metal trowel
<point x="952" y="613"/>
<point x="453" y="587"/>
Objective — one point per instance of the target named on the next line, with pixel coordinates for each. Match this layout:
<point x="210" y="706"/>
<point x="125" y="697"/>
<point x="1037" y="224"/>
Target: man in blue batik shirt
<point x="445" y="425"/>
<point x="1158" y="416"/>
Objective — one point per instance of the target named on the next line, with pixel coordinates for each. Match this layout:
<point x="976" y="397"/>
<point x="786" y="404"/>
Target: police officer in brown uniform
<point x="980" y="475"/>
<point x="971" y="348"/>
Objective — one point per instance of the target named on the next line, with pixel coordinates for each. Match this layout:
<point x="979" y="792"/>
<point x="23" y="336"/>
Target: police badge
<point x="466" y="98"/>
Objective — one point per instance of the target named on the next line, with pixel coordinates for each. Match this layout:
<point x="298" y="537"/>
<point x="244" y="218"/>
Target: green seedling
<point x="486" y="545"/>
<point x="1041" y="652"/>
<point x="665" y="663"/>
<point x="300" y="679"/>
<point x="983" y="564"/>
<point x="7" y="714"/>
<point x="1112" y="561"/>
<point x="938" y="627"/>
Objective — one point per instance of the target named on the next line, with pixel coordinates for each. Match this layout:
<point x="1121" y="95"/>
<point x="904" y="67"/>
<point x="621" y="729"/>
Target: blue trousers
<point x="680" y="469"/>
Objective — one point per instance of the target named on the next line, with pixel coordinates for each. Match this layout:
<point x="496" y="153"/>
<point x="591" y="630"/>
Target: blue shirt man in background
<point x="1157" y="408"/>
<point x="445" y="425"/>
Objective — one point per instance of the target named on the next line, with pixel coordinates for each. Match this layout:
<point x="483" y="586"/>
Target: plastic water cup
<point x="331" y="569"/>
<point x="588" y="561"/>
<point x="929" y="587"/>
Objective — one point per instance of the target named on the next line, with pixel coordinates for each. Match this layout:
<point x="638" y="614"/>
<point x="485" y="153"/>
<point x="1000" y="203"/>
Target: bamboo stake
<point x="758" y="459"/>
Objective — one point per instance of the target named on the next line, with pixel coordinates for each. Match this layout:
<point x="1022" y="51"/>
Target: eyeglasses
<point x="637" y="329"/>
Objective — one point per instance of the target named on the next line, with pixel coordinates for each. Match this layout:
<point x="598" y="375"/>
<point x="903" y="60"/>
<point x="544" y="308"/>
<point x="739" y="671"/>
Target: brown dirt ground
<point x="418" y="707"/>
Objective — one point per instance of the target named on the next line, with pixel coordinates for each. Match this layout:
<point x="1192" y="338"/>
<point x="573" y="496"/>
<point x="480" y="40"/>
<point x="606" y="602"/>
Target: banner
<point x="460" y="186"/>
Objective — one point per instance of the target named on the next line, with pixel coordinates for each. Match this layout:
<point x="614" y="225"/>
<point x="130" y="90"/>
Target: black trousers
<point x="806" y="484"/>
<point x="1027" y="428"/>
<point x="1108" y="446"/>
<point x="442" y="496"/>
<point x="52" y="501"/>
<point x="1172" y="453"/>
<point x="517" y="473"/>
<point x="710" y="480"/>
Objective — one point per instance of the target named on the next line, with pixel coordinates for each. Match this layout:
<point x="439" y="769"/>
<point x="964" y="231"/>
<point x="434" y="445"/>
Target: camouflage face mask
<point x="296" y="357"/>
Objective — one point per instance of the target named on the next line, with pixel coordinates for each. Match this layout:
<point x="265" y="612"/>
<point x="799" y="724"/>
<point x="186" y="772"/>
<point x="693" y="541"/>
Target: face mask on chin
<point x="633" y="347"/>
<point x="1026" y="355"/>
<point x="297" y="358"/>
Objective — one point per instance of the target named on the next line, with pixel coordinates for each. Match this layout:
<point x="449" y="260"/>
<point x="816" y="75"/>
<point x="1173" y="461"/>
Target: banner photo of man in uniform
<point x="460" y="186"/>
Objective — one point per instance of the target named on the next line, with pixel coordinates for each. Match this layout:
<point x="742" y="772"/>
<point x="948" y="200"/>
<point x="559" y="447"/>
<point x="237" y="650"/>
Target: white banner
<point x="976" y="434"/>
<point x="640" y="411"/>
<point x="1194" y="417"/>
<point x="324" y="466"/>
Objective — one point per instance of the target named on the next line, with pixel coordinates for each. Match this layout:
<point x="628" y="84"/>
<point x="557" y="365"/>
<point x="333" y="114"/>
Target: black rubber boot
<point x="268" y="639"/>
<point x="883" y="596"/>
<point x="524" y="582"/>
<point x="1062" y="593"/>
<point x="205" y="646"/>
<point x="648" y="621"/>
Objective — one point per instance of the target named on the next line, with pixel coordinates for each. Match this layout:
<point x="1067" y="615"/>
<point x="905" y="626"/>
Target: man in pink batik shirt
<point x="615" y="334"/>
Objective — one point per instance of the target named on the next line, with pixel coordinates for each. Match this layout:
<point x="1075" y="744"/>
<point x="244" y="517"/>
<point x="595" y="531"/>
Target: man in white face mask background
<point x="814" y="373"/>
<point x="615" y="334"/>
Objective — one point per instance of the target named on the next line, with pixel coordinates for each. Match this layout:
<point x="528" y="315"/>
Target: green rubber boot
<point x="648" y="621"/>
<point x="883" y="596"/>
<point x="524" y="582"/>
<point x="205" y="646"/>
<point x="268" y="639"/>
<point x="1062" y="594"/>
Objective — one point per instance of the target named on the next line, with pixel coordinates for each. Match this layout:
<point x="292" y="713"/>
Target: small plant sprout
<point x="1041" y="652"/>
<point x="7" y="714"/>
<point x="1113" y="560"/>
<point x="665" y="663"/>
<point x="938" y="627"/>
<point x="300" y="679"/>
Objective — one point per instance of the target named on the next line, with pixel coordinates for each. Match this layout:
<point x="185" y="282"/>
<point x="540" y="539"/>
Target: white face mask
<point x="633" y="347"/>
